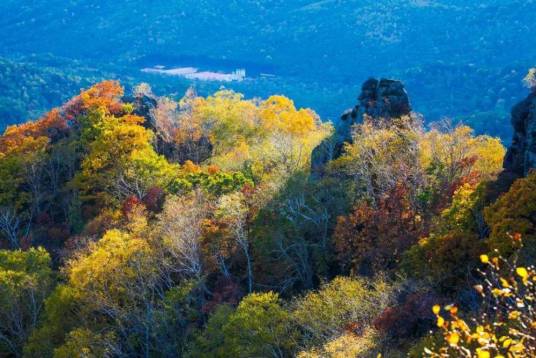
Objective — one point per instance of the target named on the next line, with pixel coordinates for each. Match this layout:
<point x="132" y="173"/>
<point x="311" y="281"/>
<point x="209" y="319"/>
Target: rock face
<point x="521" y="156"/>
<point x="379" y="99"/>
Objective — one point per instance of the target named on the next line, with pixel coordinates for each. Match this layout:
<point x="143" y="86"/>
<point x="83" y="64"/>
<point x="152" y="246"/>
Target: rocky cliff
<point x="521" y="156"/>
<point x="379" y="100"/>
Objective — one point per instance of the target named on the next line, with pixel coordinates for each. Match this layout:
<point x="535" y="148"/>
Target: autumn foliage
<point x="150" y="226"/>
<point x="373" y="237"/>
<point x="505" y="326"/>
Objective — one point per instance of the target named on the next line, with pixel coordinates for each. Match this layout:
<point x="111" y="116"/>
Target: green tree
<point x="121" y="161"/>
<point x="26" y="278"/>
<point x="110" y="288"/>
<point x="514" y="213"/>
<point x="259" y="327"/>
<point x="344" y="302"/>
<point x="59" y="317"/>
<point x="210" y="342"/>
<point x="82" y="343"/>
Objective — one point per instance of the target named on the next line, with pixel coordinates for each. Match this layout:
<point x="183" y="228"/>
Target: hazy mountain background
<point x="458" y="58"/>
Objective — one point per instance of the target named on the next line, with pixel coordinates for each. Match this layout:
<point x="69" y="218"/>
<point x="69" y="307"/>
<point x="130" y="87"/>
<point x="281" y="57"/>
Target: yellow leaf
<point x="453" y="339"/>
<point x="436" y="309"/>
<point x="514" y="315"/>
<point x="484" y="259"/>
<point x="519" y="347"/>
<point x="504" y="283"/>
<point x="440" y="321"/>
<point x="482" y="354"/>
<point x="507" y="343"/>
<point x="522" y="272"/>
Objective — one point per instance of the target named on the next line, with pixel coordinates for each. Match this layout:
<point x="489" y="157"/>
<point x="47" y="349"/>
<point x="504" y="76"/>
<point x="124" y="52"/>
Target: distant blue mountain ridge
<point x="459" y="59"/>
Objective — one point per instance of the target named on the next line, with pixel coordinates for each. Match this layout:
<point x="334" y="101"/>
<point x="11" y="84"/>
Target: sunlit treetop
<point x="49" y="125"/>
<point x="105" y="95"/>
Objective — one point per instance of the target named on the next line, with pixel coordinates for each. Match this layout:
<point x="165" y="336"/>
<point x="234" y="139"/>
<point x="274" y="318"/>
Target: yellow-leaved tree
<point x="506" y="323"/>
<point x="272" y="138"/>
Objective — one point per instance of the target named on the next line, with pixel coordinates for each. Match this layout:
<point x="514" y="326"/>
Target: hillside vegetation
<point x="139" y="225"/>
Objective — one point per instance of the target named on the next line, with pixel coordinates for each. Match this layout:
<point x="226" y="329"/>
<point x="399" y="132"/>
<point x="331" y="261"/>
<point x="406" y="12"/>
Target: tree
<point x="106" y="274"/>
<point x="374" y="237"/>
<point x="292" y="133"/>
<point x="291" y="231"/>
<point x="382" y="156"/>
<point x="114" y="288"/>
<point x="21" y="171"/>
<point x="449" y="253"/>
<point x="514" y="212"/>
<point x="342" y="305"/>
<point x="121" y="161"/>
<point x="166" y="119"/>
<point x="231" y="119"/>
<point x="453" y="157"/>
<point x="505" y="325"/>
<point x="82" y="343"/>
<point x="348" y="344"/>
<point x="142" y="89"/>
<point x="259" y="327"/>
<point x="60" y="316"/>
<point x="105" y="96"/>
<point x="181" y="227"/>
<point x="210" y="342"/>
<point x="233" y="211"/>
<point x="26" y="278"/>
<point x="269" y="136"/>
<point x="182" y="130"/>
<point x="51" y="126"/>
<point x="39" y="157"/>
<point x="176" y="320"/>
<point x="125" y="294"/>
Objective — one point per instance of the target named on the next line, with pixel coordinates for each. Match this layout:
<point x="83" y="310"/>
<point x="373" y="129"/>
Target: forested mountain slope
<point x="459" y="58"/>
<point x="133" y="224"/>
<point x="177" y="180"/>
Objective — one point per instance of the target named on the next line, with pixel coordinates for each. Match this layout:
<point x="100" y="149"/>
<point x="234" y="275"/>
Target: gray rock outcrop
<point x="521" y="155"/>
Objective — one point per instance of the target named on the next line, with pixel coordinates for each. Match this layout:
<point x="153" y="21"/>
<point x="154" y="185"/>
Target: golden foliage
<point x="513" y="213"/>
<point x="346" y="345"/>
<point x="507" y="329"/>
